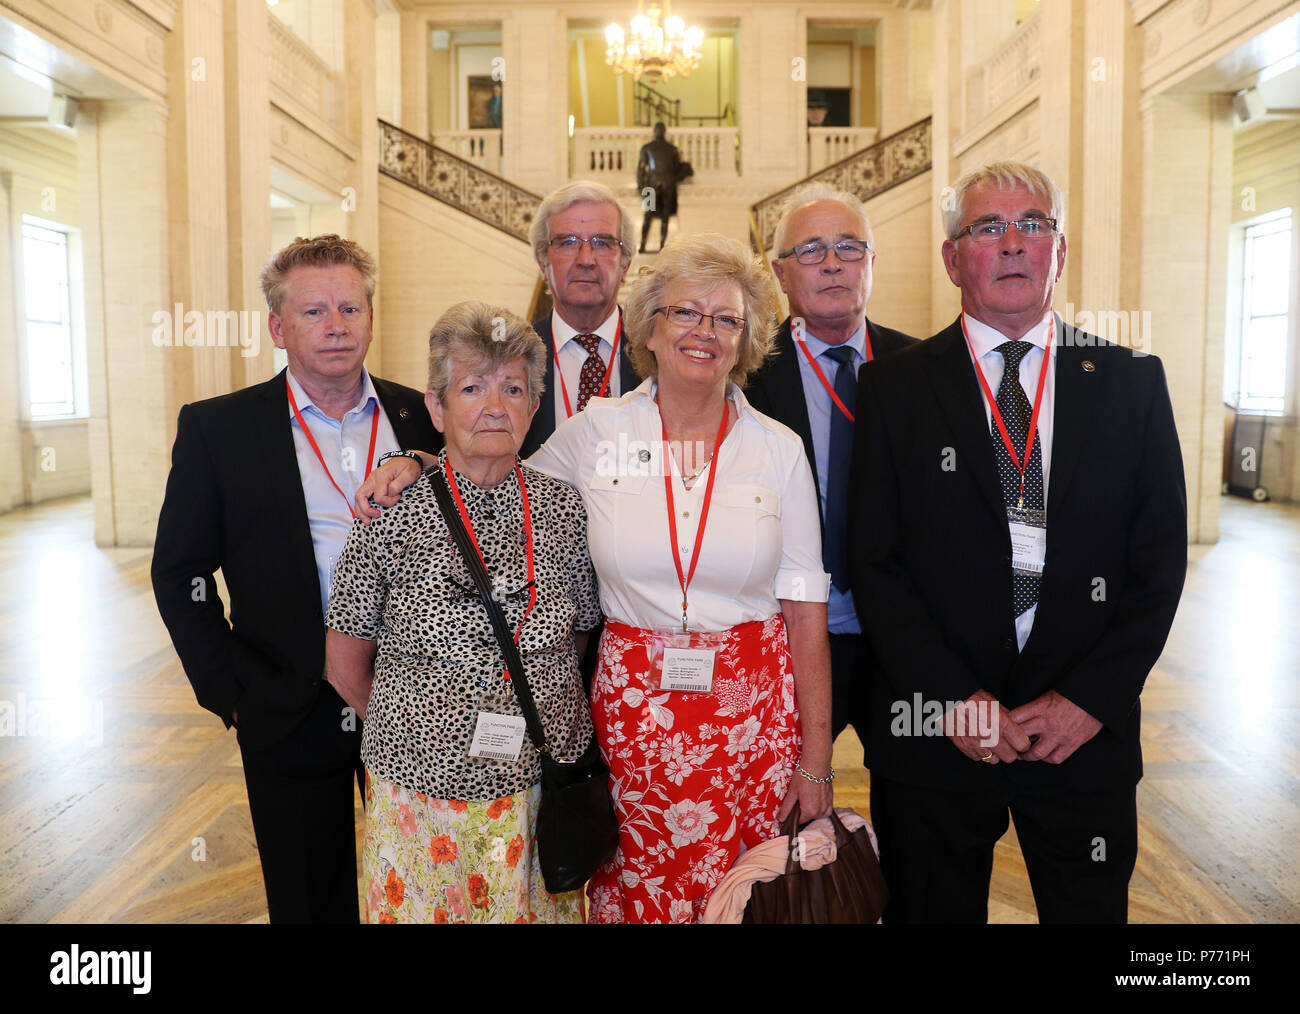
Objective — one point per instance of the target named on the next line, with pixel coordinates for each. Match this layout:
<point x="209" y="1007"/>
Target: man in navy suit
<point x="583" y="243"/>
<point x="825" y="254"/>
<point x="260" y="487"/>
<point x="1018" y="552"/>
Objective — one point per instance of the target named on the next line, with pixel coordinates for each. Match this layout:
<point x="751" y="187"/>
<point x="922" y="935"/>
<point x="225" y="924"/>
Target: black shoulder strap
<point x="499" y="624"/>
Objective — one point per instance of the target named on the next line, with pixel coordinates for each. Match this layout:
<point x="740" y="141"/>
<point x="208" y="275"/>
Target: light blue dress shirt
<point x="841" y="617"/>
<point x="343" y="444"/>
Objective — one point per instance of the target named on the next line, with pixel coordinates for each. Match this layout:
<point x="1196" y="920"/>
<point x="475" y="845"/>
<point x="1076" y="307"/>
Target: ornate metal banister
<point x="457" y="182"/>
<point x="871" y="171"/>
<point x="649" y="105"/>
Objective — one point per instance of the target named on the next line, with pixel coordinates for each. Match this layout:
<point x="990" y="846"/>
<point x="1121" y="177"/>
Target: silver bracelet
<point x="813" y="778"/>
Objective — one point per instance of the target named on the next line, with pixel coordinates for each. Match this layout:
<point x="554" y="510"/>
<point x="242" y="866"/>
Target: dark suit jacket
<point x="544" y="421"/>
<point x="235" y="501"/>
<point x="777" y="389"/>
<point x="931" y="555"/>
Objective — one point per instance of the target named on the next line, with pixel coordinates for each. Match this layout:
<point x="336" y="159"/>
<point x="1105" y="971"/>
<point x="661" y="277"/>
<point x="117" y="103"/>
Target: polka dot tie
<point x="593" y="370"/>
<point x="1015" y="409"/>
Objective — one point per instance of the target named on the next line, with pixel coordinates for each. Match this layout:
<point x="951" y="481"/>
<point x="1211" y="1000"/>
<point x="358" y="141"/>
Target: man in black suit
<point x="583" y="244"/>
<point x="310" y="433"/>
<point x="825" y="256"/>
<point x="1018" y="552"/>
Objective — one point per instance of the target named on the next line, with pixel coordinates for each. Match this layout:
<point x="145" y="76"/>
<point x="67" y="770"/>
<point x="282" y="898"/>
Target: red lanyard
<point x="685" y="580"/>
<point x="1021" y="465"/>
<point x="370" y="457"/>
<point x="564" y="388"/>
<point x="822" y="377"/>
<point x="528" y="539"/>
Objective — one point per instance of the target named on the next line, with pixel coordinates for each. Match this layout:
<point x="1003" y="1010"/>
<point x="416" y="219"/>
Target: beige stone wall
<point x="431" y="256"/>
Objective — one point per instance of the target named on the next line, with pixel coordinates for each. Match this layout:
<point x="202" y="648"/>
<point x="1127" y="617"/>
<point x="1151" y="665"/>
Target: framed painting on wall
<point x="484" y="102"/>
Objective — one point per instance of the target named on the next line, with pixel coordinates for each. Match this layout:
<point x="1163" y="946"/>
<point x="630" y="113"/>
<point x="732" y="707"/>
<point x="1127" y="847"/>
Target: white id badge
<point x="684" y="662"/>
<point x="1028" y="540"/>
<point x="498" y="737"/>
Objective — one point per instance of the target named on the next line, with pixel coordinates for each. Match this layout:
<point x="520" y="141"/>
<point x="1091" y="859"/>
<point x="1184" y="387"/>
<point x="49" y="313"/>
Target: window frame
<point x="76" y="323"/>
<point x="1235" y="337"/>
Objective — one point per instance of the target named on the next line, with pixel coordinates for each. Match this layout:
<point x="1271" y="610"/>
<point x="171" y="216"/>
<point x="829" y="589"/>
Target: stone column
<point x="892" y="58"/>
<point x="1110" y="231"/>
<point x="415" y="73"/>
<point x="196" y="180"/>
<point x="949" y="115"/>
<point x="136" y="386"/>
<point x="361" y="116"/>
<point x="1186" y="212"/>
<point x="1061" y="101"/>
<point x="11" y="333"/>
<point x="773" y="96"/>
<point x="534" y="97"/>
<point x="248" y="149"/>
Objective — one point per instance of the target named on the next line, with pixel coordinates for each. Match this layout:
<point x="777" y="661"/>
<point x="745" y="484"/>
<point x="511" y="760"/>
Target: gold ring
<point x="988" y="757"/>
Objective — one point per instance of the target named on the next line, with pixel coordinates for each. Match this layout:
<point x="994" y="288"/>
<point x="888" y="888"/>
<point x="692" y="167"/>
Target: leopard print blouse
<point x="401" y="581"/>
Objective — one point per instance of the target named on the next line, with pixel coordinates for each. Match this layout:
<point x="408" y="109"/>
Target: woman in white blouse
<point x="712" y="695"/>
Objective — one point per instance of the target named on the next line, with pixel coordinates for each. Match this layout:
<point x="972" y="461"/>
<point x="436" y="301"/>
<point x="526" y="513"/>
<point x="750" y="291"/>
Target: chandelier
<point x="652" y="50"/>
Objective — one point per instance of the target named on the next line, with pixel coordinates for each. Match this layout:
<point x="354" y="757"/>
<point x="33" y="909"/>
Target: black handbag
<point x="577" y="831"/>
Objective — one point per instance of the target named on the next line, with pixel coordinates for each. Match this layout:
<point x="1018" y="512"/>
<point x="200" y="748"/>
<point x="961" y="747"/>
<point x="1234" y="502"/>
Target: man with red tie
<point x="582" y="240"/>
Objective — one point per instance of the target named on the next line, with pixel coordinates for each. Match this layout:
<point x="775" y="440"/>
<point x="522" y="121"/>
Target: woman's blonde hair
<point x="708" y="260"/>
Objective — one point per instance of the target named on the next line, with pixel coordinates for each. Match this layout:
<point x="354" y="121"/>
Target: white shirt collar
<point x="304" y="399"/>
<point x="649" y="389"/>
<point x="563" y="333"/>
<point x="985" y="339"/>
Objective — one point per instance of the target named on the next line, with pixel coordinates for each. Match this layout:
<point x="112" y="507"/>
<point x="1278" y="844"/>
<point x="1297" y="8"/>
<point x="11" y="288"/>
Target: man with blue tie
<point x="825" y="254"/>
<point x="1018" y="550"/>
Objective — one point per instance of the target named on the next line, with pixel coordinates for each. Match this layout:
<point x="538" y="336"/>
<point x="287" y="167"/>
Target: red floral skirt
<point x="697" y="777"/>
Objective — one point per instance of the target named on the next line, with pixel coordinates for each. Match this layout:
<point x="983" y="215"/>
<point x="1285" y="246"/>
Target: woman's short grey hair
<point x="577" y="192"/>
<point x="810" y="193"/>
<point x="708" y="260"/>
<point x="1005" y="175"/>
<point x="484" y="337"/>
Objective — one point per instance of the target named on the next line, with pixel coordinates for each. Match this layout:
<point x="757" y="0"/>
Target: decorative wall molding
<point x="456" y="182"/>
<point x="872" y="171"/>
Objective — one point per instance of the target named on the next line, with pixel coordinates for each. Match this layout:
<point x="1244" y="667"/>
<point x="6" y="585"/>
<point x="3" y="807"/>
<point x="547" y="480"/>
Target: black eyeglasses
<point x="995" y="228"/>
<point x="684" y="317"/>
<point x="815" y="253"/>
<point x="602" y="244"/>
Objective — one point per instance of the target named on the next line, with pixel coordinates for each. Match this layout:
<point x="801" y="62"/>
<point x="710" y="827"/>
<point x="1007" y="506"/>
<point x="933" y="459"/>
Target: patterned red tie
<point x="593" y="370"/>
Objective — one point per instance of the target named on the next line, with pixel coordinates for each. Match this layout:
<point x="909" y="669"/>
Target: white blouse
<point x="762" y="540"/>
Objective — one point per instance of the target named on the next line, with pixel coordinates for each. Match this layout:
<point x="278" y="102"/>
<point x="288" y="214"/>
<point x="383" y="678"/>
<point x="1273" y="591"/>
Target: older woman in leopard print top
<point x="450" y="815"/>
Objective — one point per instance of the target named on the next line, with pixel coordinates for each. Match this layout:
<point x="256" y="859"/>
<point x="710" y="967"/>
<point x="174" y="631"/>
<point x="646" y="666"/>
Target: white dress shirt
<point x="343" y="444"/>
<point x="572" y="356"/>
<point x="762" y="541"/>
<point x="984" y="341"/>
<point x="841" y="617"/>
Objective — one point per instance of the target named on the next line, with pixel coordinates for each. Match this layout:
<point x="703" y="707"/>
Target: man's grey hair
<point x="484" y="337"/>
<point x="812" y="192"/>
<point x="1005" y="175"/>
<point x="577" y="192"/>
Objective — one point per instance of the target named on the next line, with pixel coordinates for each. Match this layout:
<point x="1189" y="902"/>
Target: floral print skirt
<point x="455" y="861"/>
<point x="697" y="777"/>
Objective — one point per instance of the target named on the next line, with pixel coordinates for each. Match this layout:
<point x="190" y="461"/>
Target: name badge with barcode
<point x="687" y="669"/>
<point x="497" y="737"/>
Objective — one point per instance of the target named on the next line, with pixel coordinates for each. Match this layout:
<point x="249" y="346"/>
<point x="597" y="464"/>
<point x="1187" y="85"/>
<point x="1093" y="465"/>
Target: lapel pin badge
<point x="1088" y="366"/>
<point x="404" y="413"/>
